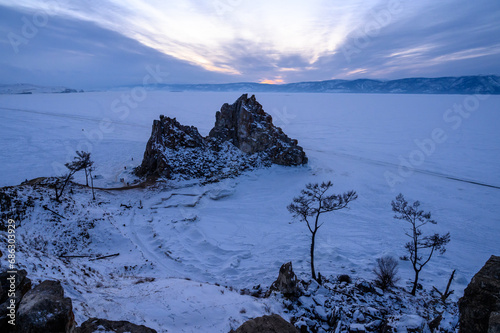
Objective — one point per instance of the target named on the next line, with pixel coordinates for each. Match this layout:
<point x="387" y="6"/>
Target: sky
<point x="106" y="43"/>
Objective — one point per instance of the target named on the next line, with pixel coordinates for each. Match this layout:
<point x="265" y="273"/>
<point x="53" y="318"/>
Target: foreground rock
<point x="101" y="325"/>
<point x="286" y="283"/>
<point x="8" y="282"/>
<point x="266" y="324"/>
<point x="44" y="309"/>
<point x="243" y="137"/>
<point x="480" y="305"/>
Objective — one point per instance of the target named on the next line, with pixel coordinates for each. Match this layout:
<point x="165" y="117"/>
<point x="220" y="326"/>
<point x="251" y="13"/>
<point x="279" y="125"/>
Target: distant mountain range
<point x="444" y="85"/>
<point x="478" y="84"/>
<point x="23" y="88"/>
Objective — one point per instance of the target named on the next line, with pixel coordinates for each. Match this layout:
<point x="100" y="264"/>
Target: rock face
<point x="243" y="137"/>
<point x="286" y="283"/>
<point x="248" y="127"/>
<point x="480" y="305"/>
<point x="44" y="309"/>
<point x="101" y="325"/>
<point x="267" y="324"/>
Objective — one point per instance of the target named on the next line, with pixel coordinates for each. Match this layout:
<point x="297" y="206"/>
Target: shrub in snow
<point x="385" y="272"/>
<point x="344" y="278"/>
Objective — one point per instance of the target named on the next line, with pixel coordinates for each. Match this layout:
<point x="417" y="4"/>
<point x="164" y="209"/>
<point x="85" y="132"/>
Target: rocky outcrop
<point x="480" y="305"/>
<point x="267" y="324"/>
<point x="243" y="137"/>
<point x="44" y="309"/>
<point x="286" y="283"/>
<point x="248" y="127"/>
<point x="102" y="325"/>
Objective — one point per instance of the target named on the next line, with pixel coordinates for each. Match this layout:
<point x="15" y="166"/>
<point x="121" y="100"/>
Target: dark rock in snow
<point x="365" y="286"/>
<point x="102" y="325"/>
<point x="243" y="137"/>
<point x="481" y="301"/>
<point x="8" y="282"/>
<point x="44" y="309"/>
<point x="266" y="324"/>
<point x="286" y="282"/>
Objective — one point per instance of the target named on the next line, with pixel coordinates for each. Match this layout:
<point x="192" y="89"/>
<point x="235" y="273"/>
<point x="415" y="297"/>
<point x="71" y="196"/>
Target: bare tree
<point x="61" y="182"/>
<point x="313" y="202"/>
<point x="419" y="244"/>
<point x="447" y="291"/>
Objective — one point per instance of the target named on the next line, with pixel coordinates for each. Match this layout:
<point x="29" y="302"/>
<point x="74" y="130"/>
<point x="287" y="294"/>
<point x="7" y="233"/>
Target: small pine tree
<point x="81" y="162"/>
<point x="313" y="202"/>
<point x="83" y="159"/>
<point x="418" y="244"/>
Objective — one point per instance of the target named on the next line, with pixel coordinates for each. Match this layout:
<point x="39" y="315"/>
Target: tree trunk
<point x="313" y="272"/>
<point x="92" y="182"/>
<point x="415" y="283"/>
<point x="57" y="193"/>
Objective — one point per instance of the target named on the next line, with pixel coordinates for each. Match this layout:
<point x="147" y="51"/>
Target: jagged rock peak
<point x="247" y="126"/>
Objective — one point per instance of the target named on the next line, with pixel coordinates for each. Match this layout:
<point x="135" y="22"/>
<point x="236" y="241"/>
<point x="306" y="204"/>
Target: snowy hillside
<point x="187" y="249"/>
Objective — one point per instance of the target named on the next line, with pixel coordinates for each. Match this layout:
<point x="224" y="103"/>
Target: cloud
<point x="236" y="40"/>
<point x="81" y="54"/>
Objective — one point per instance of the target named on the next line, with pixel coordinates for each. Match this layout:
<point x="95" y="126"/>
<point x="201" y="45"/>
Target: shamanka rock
<point x="480" y="306"/>
<point x="243" y="137"/>
<point x="44" y="309"/>
<point x="266" y="324"/>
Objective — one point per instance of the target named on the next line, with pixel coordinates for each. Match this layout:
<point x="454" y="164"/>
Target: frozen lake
<point x="440" y="149"/>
